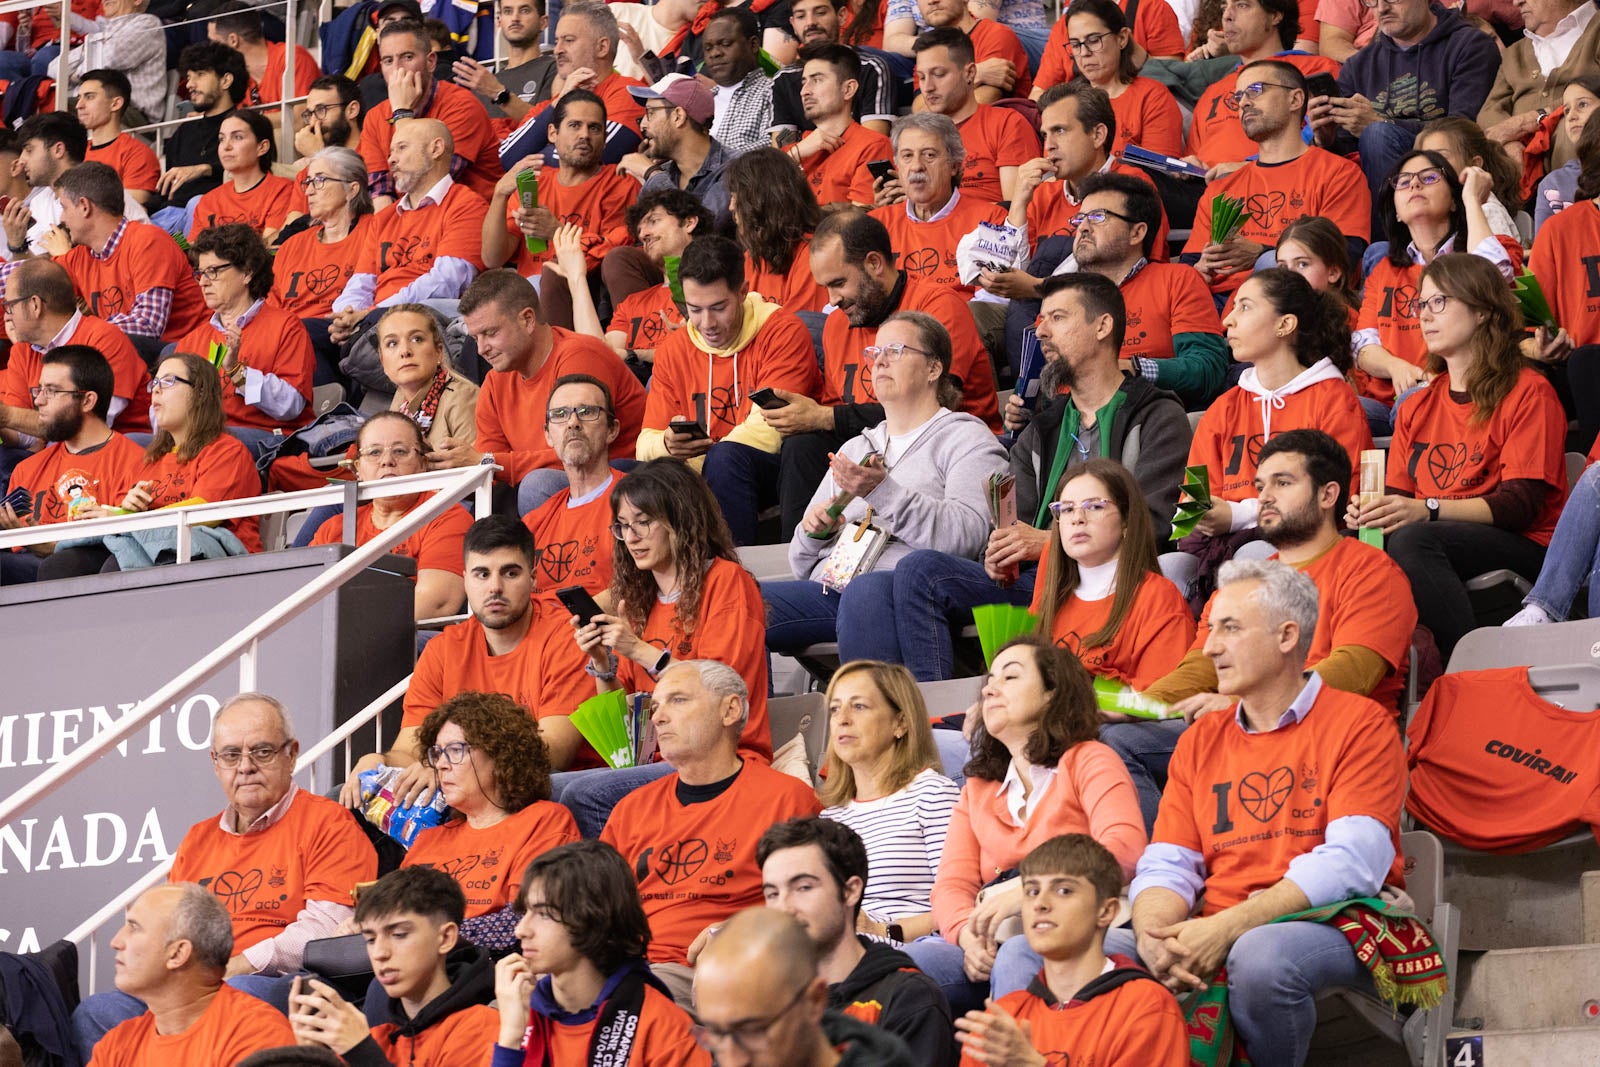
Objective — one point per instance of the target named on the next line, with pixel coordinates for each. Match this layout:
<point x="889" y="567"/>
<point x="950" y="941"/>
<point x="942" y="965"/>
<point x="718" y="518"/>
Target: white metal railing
<point x="244" y="646"/>
<point x="91" y="927"/>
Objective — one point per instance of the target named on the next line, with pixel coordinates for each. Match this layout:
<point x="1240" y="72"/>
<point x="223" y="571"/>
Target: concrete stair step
<point x="1549" y="897"/>
<point x="1531" y="989"/>
<point x="1554" y="1047"/>
<point x="1589" y="893"/>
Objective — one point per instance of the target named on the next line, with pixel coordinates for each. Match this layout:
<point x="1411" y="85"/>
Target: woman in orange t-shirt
<point x="251" y="193"/>
<point x="1477" y="469"/>
<point x="775" y="212"/>
<point x="191" y="456"/>
<point x="313" y="266"/>
<point x="1037" y="771"/>
<point x="1101" y="595"/>
<point x="494" y="772"/>
<point x="1102" y="50"/>
<point x="390" y="445"/>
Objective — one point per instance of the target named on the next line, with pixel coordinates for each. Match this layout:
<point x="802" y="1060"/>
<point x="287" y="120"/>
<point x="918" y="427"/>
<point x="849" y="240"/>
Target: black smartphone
<point x="880" y="169"/>
<point x="1323" y="84"/>
<point x="693" y="429"/>
<point x="576" y="599"/>
<point x="767" y="400"/>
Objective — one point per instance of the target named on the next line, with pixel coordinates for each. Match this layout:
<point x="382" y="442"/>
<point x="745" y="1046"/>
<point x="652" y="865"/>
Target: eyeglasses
<point x="1091" y="509"/>
<point x="9" y="304"/>
<point x="1424" y="178"/>
<point x="659" y="108"/>
<point x="1370" y="4"/>
<point x="167" y="382"/>
<point x="752" y="1036"/>
<point x="889" y="353"/>
<point x="397" y="451"/>
<point x="1087" y="45"/>
<point x="50" y="392"/>
<point x="211" y="273"/>
<point x="1434" y="304"/>
<point x="1253" y="91"/>
<point x="582" y="412"/>
<point x="641" y="529"/>
<point x="1097" y="217"/>
<point x="260" y="755"/>
<point x="453" y="753"/>
<point x="317" y="181"/>
<point x="318" y="111"/>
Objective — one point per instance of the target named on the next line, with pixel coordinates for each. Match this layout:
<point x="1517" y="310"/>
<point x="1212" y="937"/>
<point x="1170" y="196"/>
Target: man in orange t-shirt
<point x="735" y="344"/>
<point x="704" y="817"/>
<point x="103" y="96"/>
<point x="922" y="207"/>
<point x="571" y="531"/>
<point x="425" y="246"/>
<point x="997" y="140"/>
<point x="994" y="46"/>
<point x="1287" y="800"/>
<point x="408" y="61"/>
<point x="239" y="27"/>
<point x="171" y="953"/>
<point x="834" y="154"/>
<point x="1287" y="180"/>
<point x="852" y="257"/>
<point x="526" y="355"/>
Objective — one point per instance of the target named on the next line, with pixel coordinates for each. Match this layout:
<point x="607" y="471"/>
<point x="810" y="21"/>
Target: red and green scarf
<point x="1396" y="947"/>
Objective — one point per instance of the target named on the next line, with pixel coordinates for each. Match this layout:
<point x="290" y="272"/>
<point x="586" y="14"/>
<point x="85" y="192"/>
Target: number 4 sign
<point x="1464" y="1051"/>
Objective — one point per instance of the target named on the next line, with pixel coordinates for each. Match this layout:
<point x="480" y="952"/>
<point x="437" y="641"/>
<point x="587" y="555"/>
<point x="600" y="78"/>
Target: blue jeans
<point x="1014" y="966"/>
<point x="932" y="591"/>
<point x="257" y="440"/>
<point x="1146" y="749"/>
<point x="1382" y="145"/>
<point x="1274" y="975"/>
<point x="540" y="485"/>
<point x="15" y="66"/>
<point x="1381" y="416"/>
<point x="742" y="479"/>
<point x="590" y="795"/>
<point x="1574" y="554"/>
<point x="1033" y="42"/>
<point x="954" y="751"/>
<point x="801" y="612"/>
<point x="943" y="962"/>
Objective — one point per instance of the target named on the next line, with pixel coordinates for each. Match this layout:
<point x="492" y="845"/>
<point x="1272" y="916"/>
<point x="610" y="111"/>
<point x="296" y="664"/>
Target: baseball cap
<point x="680" y="90"/>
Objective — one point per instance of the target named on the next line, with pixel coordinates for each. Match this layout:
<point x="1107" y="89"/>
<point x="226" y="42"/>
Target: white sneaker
<point x="1532" y="615"/>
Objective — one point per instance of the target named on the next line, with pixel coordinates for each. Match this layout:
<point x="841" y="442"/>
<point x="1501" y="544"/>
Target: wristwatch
<point x="894" y="933"/>
<point x="1433" y="508"/>
<point x="502" y="98"/>
<point x="661" y="662"/>
<point x="402" y="113"/>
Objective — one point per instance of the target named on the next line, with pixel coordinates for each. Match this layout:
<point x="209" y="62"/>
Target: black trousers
<point x="1440" y="557"/>
<point x="802" y="462"/>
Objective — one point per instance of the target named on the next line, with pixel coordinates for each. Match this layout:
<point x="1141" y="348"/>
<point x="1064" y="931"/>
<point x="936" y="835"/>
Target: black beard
<point x="1294" y="527"/>
<point x="336" y="132"/>
<point x="63" y="427"/>
<point x="872" y="304"/>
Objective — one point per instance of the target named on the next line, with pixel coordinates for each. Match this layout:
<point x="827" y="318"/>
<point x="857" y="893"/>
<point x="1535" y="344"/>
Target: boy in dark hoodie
<point x="584" y="930"/>
<point x="438" y="985"/>
<point x="762" y="1003"/>
<point x="1083" y="1006"/>
<point x="816" y="870"/>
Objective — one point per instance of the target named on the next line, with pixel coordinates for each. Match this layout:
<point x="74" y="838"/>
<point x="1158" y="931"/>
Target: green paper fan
<point x="999" y="623"/>
<point x="1111" y="695"/>
<point x="1228" y="217"/>
<point x="1530" y="296"/>
<point x="602" y="720"/>
<point x="1197" y="488"/>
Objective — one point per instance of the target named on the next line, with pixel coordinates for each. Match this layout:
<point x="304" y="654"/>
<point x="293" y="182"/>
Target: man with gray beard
<point x="1108" y="413"/>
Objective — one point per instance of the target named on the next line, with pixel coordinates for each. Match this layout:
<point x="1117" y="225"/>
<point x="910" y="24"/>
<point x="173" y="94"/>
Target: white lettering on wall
<point x="42" y="738"/>
<point x="96" y="839"/>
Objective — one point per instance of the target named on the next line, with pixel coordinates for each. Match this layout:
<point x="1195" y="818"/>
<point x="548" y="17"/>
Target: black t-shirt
<point x="194" y="142"/>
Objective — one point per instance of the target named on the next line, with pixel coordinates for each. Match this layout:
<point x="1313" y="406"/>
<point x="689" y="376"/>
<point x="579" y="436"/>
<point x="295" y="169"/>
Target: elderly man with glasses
<point x="283" y="861"/>
<point x="1288" y="179"/>
<point x="1425" y="62"/>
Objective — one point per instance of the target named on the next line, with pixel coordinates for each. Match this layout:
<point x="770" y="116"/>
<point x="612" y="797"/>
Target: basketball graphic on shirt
<point x="236" y="888"/>
<point x="458" y="866"/>
<point x="924" y="261"/>
<point x="322" y="278"/>
<point x="724" y="405"/>
<point x="682" y="860"/>
<point x="1445" y="461"/>
<point x="104" y="303"/>
<point x="1263" y="795"/>
<point x="1265" y="207"/>
<point x="557" y="559"/>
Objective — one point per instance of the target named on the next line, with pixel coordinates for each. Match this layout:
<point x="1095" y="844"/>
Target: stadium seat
<point x="766" y="562"/>
<point x="805" y="716"/>
<point x="1558" y="644"/>
<point x="950" y="697"/>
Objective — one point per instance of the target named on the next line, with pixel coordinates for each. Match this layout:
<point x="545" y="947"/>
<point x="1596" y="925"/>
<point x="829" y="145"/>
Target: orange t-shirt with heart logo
<point x="308" y="274"/>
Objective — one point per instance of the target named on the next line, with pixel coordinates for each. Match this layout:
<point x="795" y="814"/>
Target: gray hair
<point x="940" y="126"/>
<point x="720" y="680"/>
<point x="601" y="19"/>
<point x="200" y="919"/>
<point x="1287" y="595"/>
<point x="346" y="165"/>
<point x="285" y="724"/>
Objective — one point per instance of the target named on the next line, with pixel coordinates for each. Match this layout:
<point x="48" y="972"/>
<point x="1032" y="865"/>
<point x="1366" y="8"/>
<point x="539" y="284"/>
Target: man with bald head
<point x="284" y="862"/>
<point x="761" y="1002"/>
<point x="171" y="953"/>
<point x="425" y="246"/>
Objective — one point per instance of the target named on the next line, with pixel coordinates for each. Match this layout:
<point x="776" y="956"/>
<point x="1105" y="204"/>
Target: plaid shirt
<point x="747" y="115"/>
<point x="148" y="315"/>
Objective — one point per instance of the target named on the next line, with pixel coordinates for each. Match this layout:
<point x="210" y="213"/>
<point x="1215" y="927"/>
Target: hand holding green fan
<point x="602" y="720"/>
<point x="1194" y="502"/>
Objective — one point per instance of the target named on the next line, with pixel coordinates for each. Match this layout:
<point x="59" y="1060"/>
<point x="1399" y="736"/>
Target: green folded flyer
<point x="603" y="722"/>
<point x="1530" y="296"/>
<point x="999" y="623"/>
<point x="1228" y="217"/>
<point x="1111" y="695"/>
<point x="1193" y="502"/>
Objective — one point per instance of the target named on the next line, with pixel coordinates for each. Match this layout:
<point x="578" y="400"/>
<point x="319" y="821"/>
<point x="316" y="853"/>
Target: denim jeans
<point x="540" y="485"/>
<point x="801" y="612"/>
<point x="1014" y="967"/>
<point x="590" y="795"/>
<point x="1146" y="749"/>
<point x="943" y="962"/>
<point x="1574" y="554"/>
<point x="954" y="751"/>
<point x="932" y="591"/>
<point x="257" y="440"/>
<point x="743" y="479"/>
<point x="1274" y="975"/>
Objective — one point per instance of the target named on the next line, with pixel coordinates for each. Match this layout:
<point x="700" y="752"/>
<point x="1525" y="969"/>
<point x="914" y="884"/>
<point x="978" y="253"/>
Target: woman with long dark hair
<point x="1102" y="48"/>
<point x="1477" y="468"/>
<point x="1462" y="142"/>
<point x="247" y="148"/>
<point x="775" y="213"/>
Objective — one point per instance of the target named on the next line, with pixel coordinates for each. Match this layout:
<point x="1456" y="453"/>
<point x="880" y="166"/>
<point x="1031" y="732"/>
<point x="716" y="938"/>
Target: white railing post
<point x="62" y="93"/>
<point x="247" y="667"/>
<point x="185" y="538"/>
<point x="286" y="91"/>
